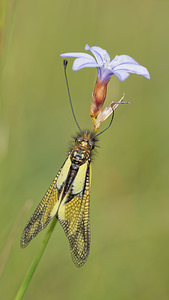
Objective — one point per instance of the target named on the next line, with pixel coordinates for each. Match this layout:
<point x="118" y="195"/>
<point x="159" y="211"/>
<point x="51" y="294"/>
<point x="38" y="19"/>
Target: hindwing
<point x="73" y="215"/>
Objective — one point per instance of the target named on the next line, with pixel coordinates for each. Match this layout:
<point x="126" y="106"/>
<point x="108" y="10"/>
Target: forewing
<point x="47" y="208"/>
<point x="73" y="215"/>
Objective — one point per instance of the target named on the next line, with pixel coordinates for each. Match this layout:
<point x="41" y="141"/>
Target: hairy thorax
<point x="80" y="155"/>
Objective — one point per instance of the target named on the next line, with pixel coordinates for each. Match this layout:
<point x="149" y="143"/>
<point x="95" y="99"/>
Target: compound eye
<point x="79" y="139"/>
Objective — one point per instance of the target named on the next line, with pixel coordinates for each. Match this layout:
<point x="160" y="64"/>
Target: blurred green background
<point x="129" y="257"/>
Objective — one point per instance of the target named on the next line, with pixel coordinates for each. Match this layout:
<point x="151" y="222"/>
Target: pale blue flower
<point x="120" y="66"/>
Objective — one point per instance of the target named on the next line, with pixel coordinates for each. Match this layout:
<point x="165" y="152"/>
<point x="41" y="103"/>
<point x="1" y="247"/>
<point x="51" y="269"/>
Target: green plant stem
<point x="32" y="269"/>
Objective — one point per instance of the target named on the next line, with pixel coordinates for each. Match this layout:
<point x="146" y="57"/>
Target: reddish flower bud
<point x="99" y="96"/>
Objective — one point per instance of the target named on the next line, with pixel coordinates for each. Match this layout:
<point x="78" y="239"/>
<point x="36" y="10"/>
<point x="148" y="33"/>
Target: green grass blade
<point x="32" y="269"/>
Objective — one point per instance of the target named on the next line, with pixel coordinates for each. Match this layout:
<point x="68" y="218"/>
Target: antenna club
<point x="65" y="62"/>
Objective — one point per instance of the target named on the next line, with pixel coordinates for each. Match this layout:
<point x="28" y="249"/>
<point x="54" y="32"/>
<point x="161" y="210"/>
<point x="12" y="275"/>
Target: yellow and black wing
<point x="73" y="215"/>
<point x="68" y="199"/>
<point x="47" y="208"/>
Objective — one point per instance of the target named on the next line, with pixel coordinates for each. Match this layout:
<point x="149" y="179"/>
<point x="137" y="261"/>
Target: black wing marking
<point x="74" y="215"/>
<point x="47" y="208"/>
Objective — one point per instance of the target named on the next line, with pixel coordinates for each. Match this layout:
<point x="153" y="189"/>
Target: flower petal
<point x="100" y="54"/>
<point x="81" y="63"/>
<point x="77" y="55"/>
<point x="104" y="74"/>
<point x="132" y="68"/>
<point x="126" y="64"/>
<point x="121" y="75"/>
<point x="121" y="59"/>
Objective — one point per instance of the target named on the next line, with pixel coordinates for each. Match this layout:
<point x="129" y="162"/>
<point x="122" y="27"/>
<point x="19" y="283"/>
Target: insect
<point x="67" y="198"/>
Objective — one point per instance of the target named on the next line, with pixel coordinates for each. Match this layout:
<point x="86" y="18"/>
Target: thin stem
<point x="32" y="269"/>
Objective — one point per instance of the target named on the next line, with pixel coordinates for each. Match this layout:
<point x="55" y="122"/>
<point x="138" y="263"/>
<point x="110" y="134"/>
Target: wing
<point x="73" y="215"/>
<point x="47" y="208"/>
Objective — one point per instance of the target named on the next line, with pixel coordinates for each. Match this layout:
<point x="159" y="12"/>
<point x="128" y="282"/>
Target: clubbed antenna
<point x="65" y="62"/>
